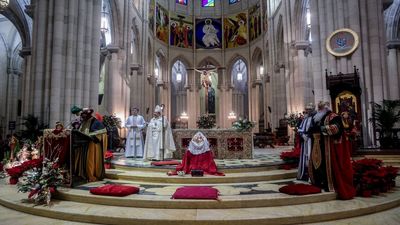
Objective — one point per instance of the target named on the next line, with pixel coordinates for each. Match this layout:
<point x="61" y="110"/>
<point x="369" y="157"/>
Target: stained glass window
<point x="182" y="2"/>
<point x="207" y="3"/>
<point x="233" y="1"/>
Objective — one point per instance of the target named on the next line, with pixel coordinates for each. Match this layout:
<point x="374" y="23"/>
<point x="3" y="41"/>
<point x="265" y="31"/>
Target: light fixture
<point x="184" y="116"/>
<point x="232" y="116"/>
<point x="239" y="74"/>
<point x="4" y="4"/>
<point x="179" y="74"/>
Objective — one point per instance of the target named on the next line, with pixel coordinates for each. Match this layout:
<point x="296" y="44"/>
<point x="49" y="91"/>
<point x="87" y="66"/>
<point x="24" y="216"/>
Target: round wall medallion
<point x="342" y="42"/>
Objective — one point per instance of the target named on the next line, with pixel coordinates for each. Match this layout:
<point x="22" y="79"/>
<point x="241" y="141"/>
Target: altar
<point x="225" y="143"/>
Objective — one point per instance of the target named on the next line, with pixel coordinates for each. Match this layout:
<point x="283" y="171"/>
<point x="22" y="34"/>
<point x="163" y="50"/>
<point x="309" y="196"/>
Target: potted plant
<point x="242" y="125"/>
<point x="384" y="117"/>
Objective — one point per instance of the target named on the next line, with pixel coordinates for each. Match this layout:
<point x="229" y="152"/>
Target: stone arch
<point x="15" y="13"/>
<point x="232" y="62"/>
<point x="301" y="30"/>
<point x="210" y="60"/>
<point x="392" y="21"/>
<point x="183" y="59"/>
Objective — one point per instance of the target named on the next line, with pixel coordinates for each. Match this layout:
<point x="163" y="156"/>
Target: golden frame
<point x="355" y="46"/>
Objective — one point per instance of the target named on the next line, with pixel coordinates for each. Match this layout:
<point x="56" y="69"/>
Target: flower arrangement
<point x="243" y="125"/>
<point x="370" y="177"/>
<point x="17" y="171"/>
<point x="41" y="183"/>
<point x="290" y="158"/>
<point x="294" y="119"/>
<point x="111" y="121"/>
<point x="107" y="159"/>
<point x="206" y="122"/>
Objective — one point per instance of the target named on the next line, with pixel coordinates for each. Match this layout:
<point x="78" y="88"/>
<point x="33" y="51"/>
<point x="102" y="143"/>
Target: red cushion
<point x="196" y="193"/>
<point x="299" y="189"/>
<point x="114" y="190"/>
<point x="163" y="163"/>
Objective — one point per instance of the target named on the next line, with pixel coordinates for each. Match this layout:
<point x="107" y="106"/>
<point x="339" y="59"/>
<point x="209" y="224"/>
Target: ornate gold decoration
<point x="344" y="45"/>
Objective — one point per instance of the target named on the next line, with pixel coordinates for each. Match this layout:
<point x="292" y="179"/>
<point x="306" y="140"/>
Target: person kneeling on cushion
<point x="198" y="157"/>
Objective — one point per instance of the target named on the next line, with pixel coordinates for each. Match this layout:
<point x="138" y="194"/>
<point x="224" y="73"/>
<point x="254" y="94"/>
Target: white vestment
<point x="134" y="139"/>
<point x="153" y="144"/>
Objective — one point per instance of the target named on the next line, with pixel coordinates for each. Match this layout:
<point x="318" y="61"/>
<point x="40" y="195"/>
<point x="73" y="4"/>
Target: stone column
<point x="65" y="58"/>
<point x="301" y="85"/>
<point x="192" y="95"/>
<point x="112" y="95"/>
<point x="393" y="73"/>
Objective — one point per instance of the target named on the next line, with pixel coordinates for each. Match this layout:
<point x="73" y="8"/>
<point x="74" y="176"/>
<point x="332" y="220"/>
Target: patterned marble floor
<point x="224" y="189"/>
<point x="261" y="157"/>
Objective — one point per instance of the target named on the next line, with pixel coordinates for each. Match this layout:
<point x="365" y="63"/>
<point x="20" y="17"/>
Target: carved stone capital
<point x="302" y="45"/>
<point x="25" y="51"/>
<point x="393" y="44"/>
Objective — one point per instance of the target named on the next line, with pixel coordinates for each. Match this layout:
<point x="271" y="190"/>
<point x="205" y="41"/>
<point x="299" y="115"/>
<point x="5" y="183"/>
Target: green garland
<point x="206" y="122"/>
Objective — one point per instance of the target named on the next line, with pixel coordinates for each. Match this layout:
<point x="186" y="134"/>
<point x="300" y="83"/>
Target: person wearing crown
<point x="305" y="142"/>
<point x="159" y="142"/>
<point x="198" y="156"/>
<point x="92" y="168"/>
<point x="330" y="167"/>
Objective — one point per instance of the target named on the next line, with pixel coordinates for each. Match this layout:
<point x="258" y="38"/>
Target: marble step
<point x="292" y="214"/>
<point x="161" y="177"/>
<point x="243" y="169"/>
<point x="230" y="197"/>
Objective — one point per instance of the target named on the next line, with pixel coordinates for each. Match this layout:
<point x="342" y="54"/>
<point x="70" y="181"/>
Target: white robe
<point x="134" y="139"/>
<point x="153" y="144"/>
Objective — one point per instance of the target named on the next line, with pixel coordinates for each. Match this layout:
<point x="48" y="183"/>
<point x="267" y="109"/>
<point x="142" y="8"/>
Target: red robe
<point x="204" y="161"/>
<point x="330" y="165"/>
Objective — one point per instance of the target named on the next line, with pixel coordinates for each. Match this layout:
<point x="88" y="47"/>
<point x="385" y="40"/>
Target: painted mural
<point x="235" y="30"/>
<point x="208" y="33"/>
<point x="162" y="22"/>
<point x="255" y="27"/>
<point x="181" y="31"/>
<point x="151" y="15"/>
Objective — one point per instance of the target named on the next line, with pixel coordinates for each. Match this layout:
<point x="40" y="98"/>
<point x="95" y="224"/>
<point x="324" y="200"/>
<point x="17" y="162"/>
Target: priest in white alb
<point x="134" y="139"/>
<point x="154" y="147"/>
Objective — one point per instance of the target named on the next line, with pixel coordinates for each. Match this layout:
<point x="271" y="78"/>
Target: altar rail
<point x="225" y="143"/>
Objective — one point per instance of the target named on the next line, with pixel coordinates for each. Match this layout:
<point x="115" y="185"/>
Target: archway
<point x="178" y="94"/>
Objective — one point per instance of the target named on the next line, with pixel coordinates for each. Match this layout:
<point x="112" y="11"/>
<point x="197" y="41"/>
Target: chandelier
<point x="4" y="4"/>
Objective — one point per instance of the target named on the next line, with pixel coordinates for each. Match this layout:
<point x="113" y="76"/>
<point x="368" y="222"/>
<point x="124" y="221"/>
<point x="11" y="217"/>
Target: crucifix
<point x="206" y="82"/>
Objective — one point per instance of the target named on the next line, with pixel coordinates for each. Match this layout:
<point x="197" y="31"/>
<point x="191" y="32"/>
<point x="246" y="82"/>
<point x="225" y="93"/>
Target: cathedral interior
<point x="259" y="60"/>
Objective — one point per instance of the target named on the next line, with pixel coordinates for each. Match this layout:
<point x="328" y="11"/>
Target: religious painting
<point x="265" y="22"/>
<point x="235" y="30"/>
<point x="208" y="33"/>
<point x="255" y="27"/>
<point x="151" y="15"/>
<point x="346" y="102"/>
<point x="342" y="42"/>
<point x="181" y="31"/>
<point x="162" y="22"/>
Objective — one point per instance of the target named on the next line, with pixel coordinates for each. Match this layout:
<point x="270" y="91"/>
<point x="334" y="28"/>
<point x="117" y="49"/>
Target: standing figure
<point x="158" y="136"/>
<point x="305" y="142"/>
<point x="134" y="140"/>
<point x="330" y="166"/>
<point x="95" y="154"/>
